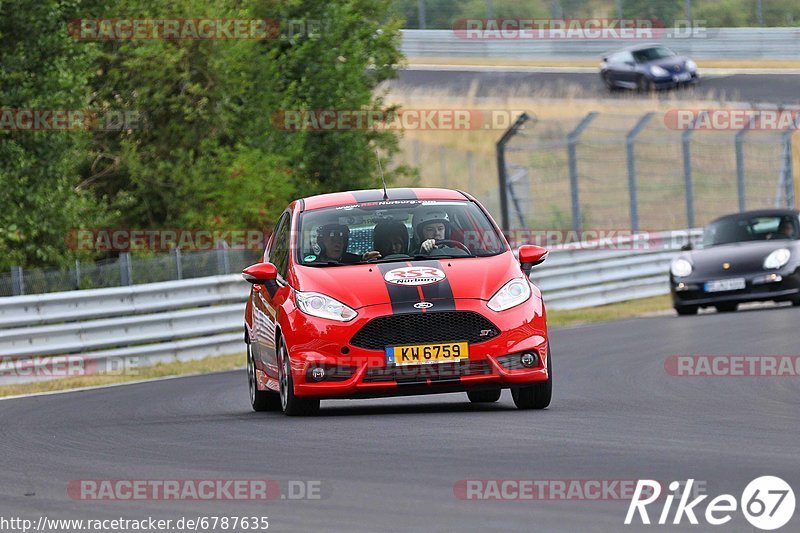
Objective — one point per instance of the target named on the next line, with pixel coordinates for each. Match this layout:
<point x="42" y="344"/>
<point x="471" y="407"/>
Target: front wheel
<point x="684" y="310"/>
<point x="727" y="307"/>
<point x="538" y="395"/>
<point x="259" y="400"/>
<point x="644" y="84"/>
<point x="484" y="396"/>
<point x="292" y="405"/>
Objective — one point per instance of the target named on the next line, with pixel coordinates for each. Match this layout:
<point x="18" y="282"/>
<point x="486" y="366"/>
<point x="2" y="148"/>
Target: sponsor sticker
<point x="414" y="276"/>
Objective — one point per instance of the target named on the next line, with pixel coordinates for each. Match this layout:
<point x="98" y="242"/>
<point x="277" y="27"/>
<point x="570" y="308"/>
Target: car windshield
<point x="652" y="54"/>
<point x="750" y="228"/>
<point x="395" y="230"/>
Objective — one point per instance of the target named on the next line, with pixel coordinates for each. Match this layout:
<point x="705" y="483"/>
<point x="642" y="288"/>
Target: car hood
<point x="742" y="256"/>
<point x="673" y="64"/>
<point x="363" y="285"/>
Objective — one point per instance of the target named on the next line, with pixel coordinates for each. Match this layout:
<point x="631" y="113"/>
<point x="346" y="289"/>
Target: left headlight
<point x="777" y="258"/>
<point x="691" y="65"/>
<point x="680" y="268"/>
<point x="319" y="305"/>
<point x="513" y="293"/>
<point x="655" y="70"/>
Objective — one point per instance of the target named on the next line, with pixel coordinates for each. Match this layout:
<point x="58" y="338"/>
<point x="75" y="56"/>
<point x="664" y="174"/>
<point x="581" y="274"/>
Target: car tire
<point x="796" y="302"/>
<point x="685" y="310"/>
<point x="726" y="307"/>
<point x="644" y="84"/>
<point x="538" y="395"/>
<point x="259" y="400"/>
<point x="290" y="404"/>
<point x="608" y="83"/>
<point x="484" y="396"/>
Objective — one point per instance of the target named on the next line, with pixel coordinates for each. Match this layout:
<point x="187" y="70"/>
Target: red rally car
<point x="393" y="292"/>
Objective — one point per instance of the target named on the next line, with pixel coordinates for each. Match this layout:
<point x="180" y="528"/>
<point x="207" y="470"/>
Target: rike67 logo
<point x="767" y="502"/>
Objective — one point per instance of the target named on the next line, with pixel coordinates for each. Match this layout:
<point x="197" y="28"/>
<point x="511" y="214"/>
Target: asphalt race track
<point x="391" y="464"/>
<point x="755" y="88"/>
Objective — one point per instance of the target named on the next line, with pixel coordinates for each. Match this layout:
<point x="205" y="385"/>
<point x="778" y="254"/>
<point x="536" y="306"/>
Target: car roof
<point x="376" y="195"/>
<point x="636" y="47"/>
<point x="759" y="213"/>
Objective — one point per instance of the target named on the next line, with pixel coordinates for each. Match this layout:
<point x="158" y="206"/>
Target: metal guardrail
<point x="715" y="43"/>
<point x="191" y="319"/>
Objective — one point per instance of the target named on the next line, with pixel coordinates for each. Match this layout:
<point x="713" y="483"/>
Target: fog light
<point x="528" y="360"/>
<point x="769" y="278"/>
<point x="318" y="374"/>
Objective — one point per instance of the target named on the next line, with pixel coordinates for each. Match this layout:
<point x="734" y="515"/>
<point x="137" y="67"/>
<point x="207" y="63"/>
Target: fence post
<point x="787" y="173"/>
<point x="502" y="176"/>
<point x="572" y="143"/>
<point x="125" y="272"/>
<point x="223" y="262"/>
<point x="738" y="141"/>
<point x="77" y="274"/>
<point x="17" y="281"/>
<point x="629" y="140"/>
<point x="686" y="137"/>
<point x="442" y="166"/>
<point x="178" y="263"/>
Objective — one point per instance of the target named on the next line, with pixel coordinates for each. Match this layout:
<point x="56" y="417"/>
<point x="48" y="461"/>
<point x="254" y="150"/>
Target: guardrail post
<point x="740" y="182"/>
<point x="629" y="145"/>
<point x="572" y="143"/>
<point x="77" y="274"/>
<point x="502" y="176"/>
<point x="17" y="281"/>
<point x="178" y="263"/>
<point x="686" y="138"/>
<point x="125" y="272"/>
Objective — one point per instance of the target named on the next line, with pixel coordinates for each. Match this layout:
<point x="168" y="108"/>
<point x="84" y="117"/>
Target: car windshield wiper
<point x="421" y="257"/>
<point x="325" y="263"/>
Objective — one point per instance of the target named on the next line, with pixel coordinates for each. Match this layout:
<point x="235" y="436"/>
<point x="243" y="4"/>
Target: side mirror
<point x="530" y="256"/>
<point x="686" y="247"/>
<point x="262" y="273"/>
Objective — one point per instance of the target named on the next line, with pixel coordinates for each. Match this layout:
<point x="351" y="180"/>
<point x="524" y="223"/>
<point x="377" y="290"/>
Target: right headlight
<point x="657" y="71"/>
<point x="319" y="305"/>
<point x="680" y="268"/>
<point x="777" y="258"/>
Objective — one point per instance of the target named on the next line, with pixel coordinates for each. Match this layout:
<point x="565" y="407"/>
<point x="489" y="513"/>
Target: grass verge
<point x="607" y="313"/>
<point x="201" y="366"/>
<point x="219" y="363"/>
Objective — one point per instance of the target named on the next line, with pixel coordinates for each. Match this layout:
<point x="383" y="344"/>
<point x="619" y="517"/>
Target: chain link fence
<point x="619" y="171"/>
<point x="127" y="269"/>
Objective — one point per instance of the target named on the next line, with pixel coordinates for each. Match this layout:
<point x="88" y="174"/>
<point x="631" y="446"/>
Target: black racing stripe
<point x="402" y="297"/>
<point x="439" y="294"/>
<point x="377" y="195"/>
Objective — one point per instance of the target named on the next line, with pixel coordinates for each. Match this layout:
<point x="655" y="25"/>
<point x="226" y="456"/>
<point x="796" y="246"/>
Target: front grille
<point x="424" y="328"/>
<point x="417" y="373"/>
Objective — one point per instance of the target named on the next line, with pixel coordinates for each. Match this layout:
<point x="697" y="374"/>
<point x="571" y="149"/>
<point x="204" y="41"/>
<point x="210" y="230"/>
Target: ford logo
<point x="423" y="305"/>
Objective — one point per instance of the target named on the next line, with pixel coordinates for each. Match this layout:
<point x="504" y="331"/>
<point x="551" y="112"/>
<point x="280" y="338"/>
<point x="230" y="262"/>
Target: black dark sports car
<point x="647" y="66"/>
<point x="749" y="256"/>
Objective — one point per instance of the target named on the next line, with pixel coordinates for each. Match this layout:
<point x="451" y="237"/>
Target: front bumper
<point x="689" y="291"/>
<point x="353" y="372"/>
<point x="670" y="82"/>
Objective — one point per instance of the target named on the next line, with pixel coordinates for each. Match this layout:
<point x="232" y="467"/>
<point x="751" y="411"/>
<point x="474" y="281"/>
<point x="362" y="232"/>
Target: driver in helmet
<point x="432" y="227"/>
<point x="332" y="240"/>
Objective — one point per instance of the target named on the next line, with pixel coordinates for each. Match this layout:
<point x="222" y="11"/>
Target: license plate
<point x="733" y="284"/>
<point x="683" y="76"/>
<point x="421" y="354"/>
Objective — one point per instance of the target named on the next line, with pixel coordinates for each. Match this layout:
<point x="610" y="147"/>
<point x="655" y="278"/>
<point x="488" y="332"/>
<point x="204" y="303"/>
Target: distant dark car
<point x="646" y="67"/>
<point x="749" y="256"/>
